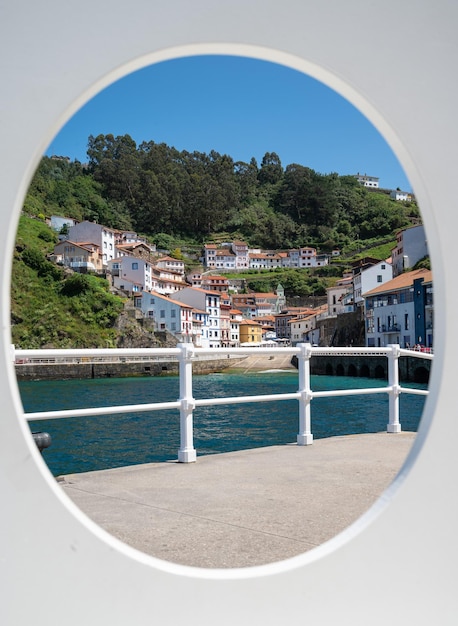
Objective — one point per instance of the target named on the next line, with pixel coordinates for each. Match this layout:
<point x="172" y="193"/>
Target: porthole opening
<point x="196" y="208"/>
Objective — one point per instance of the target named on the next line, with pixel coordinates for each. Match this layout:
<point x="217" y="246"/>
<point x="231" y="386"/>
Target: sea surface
<point x="81" y="444"/>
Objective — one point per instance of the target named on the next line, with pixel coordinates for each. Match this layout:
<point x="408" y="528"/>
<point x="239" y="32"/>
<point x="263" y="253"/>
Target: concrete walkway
<point x="242" y="508"/>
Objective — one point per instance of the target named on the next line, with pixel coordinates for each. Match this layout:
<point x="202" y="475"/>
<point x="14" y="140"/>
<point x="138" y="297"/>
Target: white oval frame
<point x="51" y="554"/>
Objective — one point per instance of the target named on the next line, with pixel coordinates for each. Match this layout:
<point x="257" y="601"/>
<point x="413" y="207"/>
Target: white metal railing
<point x="186" y="353"/>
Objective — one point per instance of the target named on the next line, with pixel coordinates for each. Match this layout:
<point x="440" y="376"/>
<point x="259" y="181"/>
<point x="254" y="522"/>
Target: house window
<point x="173" y="326"/>
<point x="173" y="313"/>
<point x="162" y="313"/>
<point x="379" y="278"/>
<point x="151" y="300"/>
<point x="135" y="266"/>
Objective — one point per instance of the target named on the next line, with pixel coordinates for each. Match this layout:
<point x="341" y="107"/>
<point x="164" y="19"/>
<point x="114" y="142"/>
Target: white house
<point x="225" y="259"/>
<point x="166" y="281"/>
<point x="411" y="246"/>
<point x="304" y="330"/>
<point x="176" y="317"/>
<point x="169" y="263"/>
<point x="236" y="317"/>
<point x="225" y="320"/>
<point x="336" y="295"/>
<point x="194" y="278"/>
<point x="208" y="302"/>
<point x="90" y="232"/>
<point x="370" y="278"/>
<point x="214" y="282"/>
<point x="304" y="257"/>
<point x="229" y="256"/>
<point x="240" y="249"/>
<point x="367" y="181"/>
<point x="130" y="274"/>
<point x="210" y="255"/>
<point x="397" y="194"/>
<point x="129" y="236"/>
<point x="264" y="260"/>
<point x="200" y="328"/>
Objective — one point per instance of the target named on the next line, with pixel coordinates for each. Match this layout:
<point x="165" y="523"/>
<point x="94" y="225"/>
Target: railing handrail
<point x="186" y="353"/>
<point x="154" y="353"/>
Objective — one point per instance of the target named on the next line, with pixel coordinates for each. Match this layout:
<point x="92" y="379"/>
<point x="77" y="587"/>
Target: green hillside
<point x="54" y="309"/>
<point x="178" y="201"/>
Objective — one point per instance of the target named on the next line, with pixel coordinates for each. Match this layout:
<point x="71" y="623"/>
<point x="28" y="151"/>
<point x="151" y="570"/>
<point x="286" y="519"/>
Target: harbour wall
<point x="411" y="369"/>
<point x="69" y="371"/>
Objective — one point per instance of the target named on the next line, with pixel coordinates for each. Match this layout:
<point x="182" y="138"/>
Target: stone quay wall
<point x="59" y="371"/>
<point x="411" y="369"/>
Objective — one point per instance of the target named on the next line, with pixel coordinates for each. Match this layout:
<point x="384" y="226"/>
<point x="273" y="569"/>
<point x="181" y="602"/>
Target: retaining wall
<point x="55" y="371"/>
<point x="411" y="369"/>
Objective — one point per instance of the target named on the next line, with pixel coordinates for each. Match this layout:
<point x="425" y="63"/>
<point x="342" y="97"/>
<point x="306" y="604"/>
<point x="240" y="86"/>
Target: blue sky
<point x="237" y="106"/>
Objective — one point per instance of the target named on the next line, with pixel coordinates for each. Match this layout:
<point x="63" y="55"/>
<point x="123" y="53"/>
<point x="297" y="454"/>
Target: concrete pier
<point x="244" y="508"/>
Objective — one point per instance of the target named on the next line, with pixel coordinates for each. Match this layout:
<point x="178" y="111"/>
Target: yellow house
<point x="250" y="332"/>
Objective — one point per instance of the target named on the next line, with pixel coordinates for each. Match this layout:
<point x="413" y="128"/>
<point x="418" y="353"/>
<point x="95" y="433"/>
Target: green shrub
<point x="75" y="285"/>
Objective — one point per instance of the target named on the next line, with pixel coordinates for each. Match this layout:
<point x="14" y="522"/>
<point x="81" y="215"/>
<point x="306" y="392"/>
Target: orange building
<point x="250" y="332"/>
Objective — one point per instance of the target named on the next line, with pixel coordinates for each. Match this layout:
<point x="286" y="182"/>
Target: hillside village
<point x="374" y="304"/>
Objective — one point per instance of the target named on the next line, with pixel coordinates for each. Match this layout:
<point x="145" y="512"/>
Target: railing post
<point x="186" y="453"/>
<point x="304" y="437"/>
<point x="393" y="381"/>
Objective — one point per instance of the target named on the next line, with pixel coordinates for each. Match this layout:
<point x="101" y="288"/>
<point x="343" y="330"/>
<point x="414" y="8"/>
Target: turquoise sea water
<point x="91" y="443"/>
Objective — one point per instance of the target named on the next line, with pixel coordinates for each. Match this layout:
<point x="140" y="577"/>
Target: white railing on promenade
<point x="186" y="353"/>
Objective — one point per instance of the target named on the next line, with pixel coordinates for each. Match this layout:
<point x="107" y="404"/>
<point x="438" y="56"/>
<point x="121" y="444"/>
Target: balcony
<point x="393" y="328"/>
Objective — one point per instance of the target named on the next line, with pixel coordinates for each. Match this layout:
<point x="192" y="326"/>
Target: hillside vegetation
<point x="52" y="308"/>
<point x="179" y="200"/>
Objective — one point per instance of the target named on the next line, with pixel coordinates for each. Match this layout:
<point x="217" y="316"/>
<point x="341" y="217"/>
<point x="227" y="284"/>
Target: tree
<point x="114" y="163"/>
<point x="293" y="197"/>
<point x="246" y="176"/>
<point x="271" y="171"/>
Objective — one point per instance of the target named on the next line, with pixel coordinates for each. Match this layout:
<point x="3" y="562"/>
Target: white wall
<point x="368" y="279"/>
<point x="395" y="565"/>
<point x="135" y="270"/>
<point x="414" y="247"/>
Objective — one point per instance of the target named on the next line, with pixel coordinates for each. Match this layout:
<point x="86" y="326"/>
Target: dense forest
<point x="169" y="195"/>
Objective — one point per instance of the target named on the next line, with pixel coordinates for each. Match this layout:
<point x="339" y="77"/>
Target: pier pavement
<point x="243" y="508"/>
<point x="262" y="363"/>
